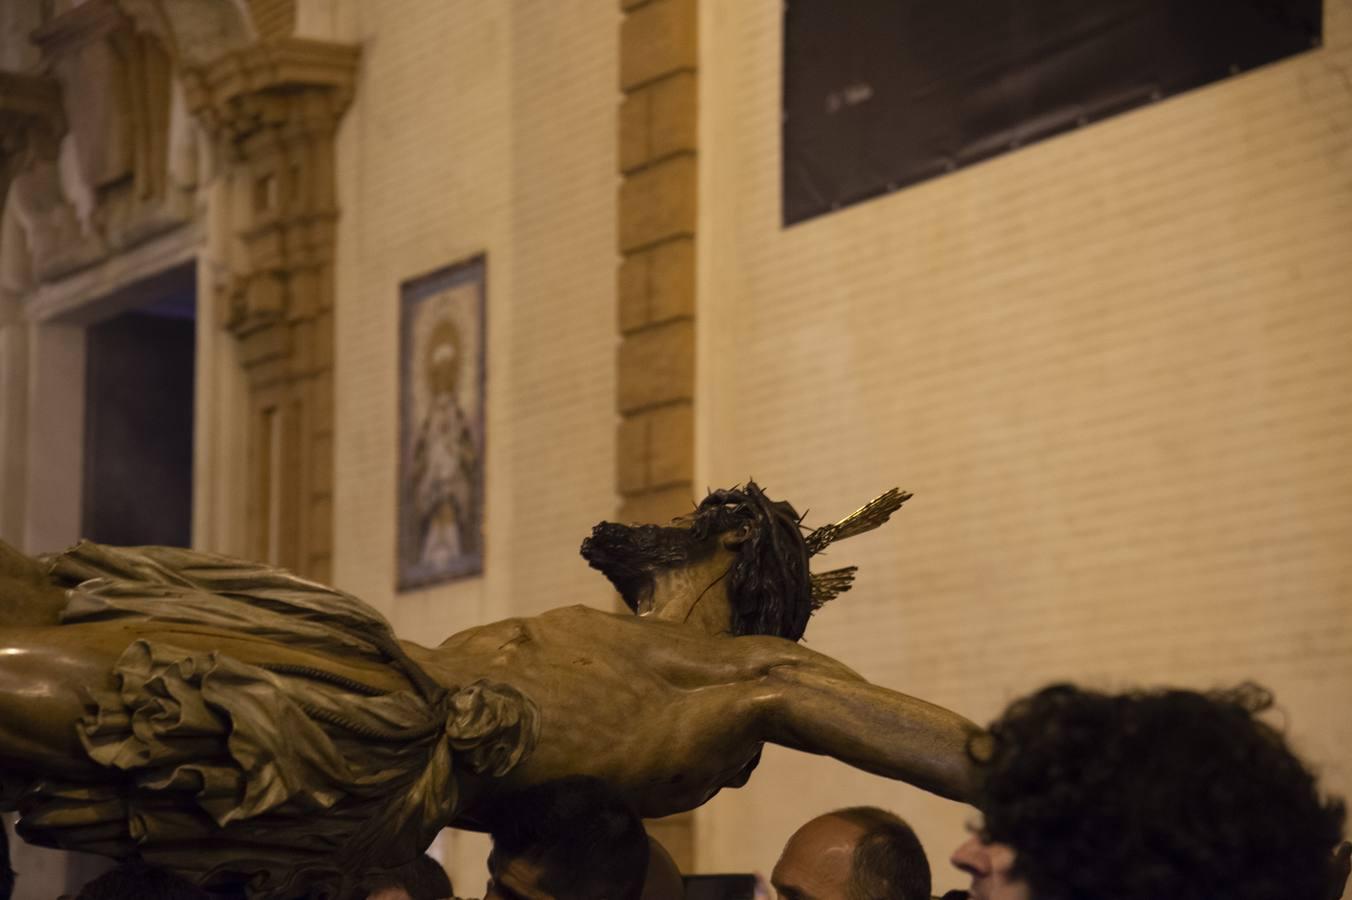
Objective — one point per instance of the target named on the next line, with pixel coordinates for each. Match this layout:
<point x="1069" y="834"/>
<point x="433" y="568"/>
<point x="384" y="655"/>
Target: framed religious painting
<point x="441" y="425"/>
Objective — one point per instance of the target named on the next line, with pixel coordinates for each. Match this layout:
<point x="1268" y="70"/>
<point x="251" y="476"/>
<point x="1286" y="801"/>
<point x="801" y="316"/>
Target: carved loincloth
<point x="294" y="779"/>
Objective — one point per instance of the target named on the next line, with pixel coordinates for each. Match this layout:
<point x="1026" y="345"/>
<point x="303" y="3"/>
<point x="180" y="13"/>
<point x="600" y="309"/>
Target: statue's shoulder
<point x="580" y="612"/>
<point x="540" y="628"/>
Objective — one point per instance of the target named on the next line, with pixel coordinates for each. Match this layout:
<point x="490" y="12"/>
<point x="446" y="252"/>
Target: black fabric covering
<point x="880" y="94"/>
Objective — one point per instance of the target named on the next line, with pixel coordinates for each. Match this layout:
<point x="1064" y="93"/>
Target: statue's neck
<point x="696" y="594"/>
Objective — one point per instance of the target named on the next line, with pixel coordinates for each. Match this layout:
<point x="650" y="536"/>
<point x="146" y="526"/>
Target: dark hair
<point x="888" y="863"/>
<point x="138" y="881"/>
<point x="422" y="879"/>
<point x="770" y="584"/>
<point x="1154" y="794"/>
<point x="586" y="841"/>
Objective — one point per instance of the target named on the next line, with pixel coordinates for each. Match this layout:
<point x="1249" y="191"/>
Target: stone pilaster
<point x="655" y="450"/>
<point x="657" y="211"/>
<point x="272" y="110"/>
<point x="31" y="125"/>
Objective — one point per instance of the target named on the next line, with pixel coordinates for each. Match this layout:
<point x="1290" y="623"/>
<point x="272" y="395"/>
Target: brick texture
<point x="671" y="280"/>
<point x="273" y="18"/>
<point x="656" y="366"/>
<point x="654" y="449"/>
<point x="657" y="39"/>
<point x="1113" y="367"/>
<point x="658" y="120"/>
<point x="657" y="284"/>
<point x="658" y="203"/>
<point x="658" y="506"/>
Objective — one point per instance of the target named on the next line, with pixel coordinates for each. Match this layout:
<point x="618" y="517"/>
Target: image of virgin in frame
<point x="441" y="425"/>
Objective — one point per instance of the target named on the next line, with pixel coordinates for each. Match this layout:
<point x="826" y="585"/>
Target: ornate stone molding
<point x="272" y="109"/>
<point x="116" y="85"/>
<point x="31" y="122"/>
<point x="250" y="88"/>
<point x="194" y="31"/>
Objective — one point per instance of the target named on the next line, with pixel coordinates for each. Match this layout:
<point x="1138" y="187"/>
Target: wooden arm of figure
<point x="833" y="712"/>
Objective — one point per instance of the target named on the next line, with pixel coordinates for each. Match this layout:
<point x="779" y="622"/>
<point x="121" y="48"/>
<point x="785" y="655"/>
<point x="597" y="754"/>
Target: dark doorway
<point x="139" y="377"/>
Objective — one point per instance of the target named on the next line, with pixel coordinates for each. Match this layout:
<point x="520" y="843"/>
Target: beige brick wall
<point x="490" y="126"/>
<point x="273" y="18"/>
<point x="1114" y="369"/>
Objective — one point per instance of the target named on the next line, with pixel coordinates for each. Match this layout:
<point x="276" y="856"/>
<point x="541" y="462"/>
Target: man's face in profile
<point x="990" y="866"/>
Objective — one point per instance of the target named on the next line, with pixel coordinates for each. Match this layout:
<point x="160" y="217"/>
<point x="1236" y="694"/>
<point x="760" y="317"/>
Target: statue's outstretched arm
<point x="827" y="709"/>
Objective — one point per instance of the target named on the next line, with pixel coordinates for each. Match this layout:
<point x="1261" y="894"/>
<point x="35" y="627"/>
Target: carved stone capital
<point x="273" y="108"/>
<point x="285" y="83"/>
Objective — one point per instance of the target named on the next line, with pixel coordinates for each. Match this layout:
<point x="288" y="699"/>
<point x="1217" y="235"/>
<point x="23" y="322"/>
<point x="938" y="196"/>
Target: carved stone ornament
<point x="272" y="109"/>
<point x="107" y="183"/>
<point x="31" y="121"/>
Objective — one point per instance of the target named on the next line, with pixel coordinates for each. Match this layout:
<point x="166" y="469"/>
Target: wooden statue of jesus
<point x="241" y="725"/>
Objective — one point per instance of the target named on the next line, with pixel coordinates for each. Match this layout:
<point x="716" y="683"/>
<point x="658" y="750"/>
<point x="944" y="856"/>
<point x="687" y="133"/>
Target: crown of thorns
<point x="826" y="585"/>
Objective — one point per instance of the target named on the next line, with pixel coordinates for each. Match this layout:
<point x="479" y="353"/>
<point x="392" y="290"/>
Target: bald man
<point x="859" y="853"/>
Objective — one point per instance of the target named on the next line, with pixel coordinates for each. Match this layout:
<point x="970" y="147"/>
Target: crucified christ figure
<point x="242" y="725"/>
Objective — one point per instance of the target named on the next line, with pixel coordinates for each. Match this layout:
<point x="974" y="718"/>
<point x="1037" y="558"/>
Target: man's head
<point x="768" y="582"/>
<point x="860" y="853"/>
<point x="571" y="839"/>
<point x="1145" y="795"/>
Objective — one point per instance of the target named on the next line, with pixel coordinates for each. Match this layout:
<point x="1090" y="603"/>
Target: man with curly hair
<point x="1146" y="796"/>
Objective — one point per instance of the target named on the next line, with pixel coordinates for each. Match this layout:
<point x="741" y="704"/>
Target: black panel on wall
<point x="138" y="444"/>
<point x="879" y="94"/>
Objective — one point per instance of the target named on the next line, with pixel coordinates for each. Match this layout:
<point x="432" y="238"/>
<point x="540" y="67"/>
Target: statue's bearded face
<point x="629" y="555"/>
<point x="767" y="582"/>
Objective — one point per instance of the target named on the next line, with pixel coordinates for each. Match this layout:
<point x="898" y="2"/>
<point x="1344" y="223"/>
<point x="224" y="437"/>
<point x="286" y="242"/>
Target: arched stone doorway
<point x="143" y="134"/>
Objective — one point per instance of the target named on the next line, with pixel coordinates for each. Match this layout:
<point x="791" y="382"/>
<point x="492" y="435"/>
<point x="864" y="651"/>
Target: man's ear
<point x="734" y="539"/>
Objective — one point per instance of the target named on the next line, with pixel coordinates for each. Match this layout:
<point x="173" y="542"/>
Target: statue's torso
<point x="658" y="709"/>
<point x="663" y="711"/>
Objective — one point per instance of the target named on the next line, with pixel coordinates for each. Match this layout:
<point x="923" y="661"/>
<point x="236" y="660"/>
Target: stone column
<point x="272" y="109"/>
<point x="656" y="377"/>
<point x="31" y="124"/>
